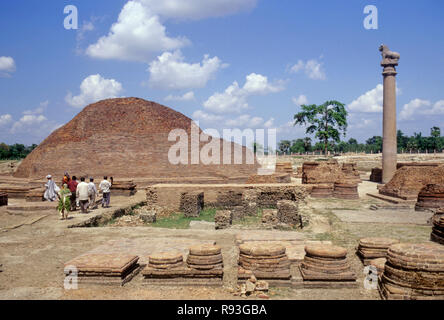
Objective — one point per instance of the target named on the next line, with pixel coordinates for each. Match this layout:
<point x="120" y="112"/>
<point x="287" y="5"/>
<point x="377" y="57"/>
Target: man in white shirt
<point x="82" y="195"/>
<point x="105" y="187"/>
<point x="92" y="192"/>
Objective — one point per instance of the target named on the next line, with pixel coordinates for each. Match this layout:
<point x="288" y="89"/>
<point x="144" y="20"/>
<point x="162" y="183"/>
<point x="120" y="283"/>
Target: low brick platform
<point x="346" y="190"/>
<point x="265" y="261"/>
<point x="103" y="269"/>
<point x="373" y="248"/>
<point x="322" y="191"/>
<point x="204" y="267"/>
<point x="326" y="263"/>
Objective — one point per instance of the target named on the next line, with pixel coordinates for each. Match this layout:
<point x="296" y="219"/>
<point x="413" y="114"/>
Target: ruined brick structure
<point x="409" y="180"/>
<point x="124" y="138"/>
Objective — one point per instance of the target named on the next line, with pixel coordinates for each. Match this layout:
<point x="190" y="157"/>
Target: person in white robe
<point x="51" y="189"/>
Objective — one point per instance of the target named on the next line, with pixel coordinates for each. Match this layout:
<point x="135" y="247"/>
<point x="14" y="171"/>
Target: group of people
<point x="73" y="194"/>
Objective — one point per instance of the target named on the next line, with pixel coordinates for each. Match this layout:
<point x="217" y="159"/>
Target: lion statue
<point x="389" y="56"/>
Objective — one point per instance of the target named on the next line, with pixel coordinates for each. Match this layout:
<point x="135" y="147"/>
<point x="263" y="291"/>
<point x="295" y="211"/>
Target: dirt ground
<point x="35" y="245"/>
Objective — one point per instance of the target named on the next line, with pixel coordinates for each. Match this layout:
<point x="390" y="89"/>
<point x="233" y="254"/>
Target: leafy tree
<point x="352" y="142"/>
<point x="435" y="134"/>
<point x="374" y="143"/>
<point x="284" y="146"/>
<point x="326" y="121"/>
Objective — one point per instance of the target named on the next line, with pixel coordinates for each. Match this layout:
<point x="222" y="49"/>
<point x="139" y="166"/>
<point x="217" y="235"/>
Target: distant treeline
<point x="15" y="151"/>
<point x="415" y="143"/>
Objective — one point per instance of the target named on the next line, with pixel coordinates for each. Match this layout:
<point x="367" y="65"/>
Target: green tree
<point x="284" y="146"/>
<point x="374" y="143"/>
<point x="4" y="151"/>
<point x="326" y="121"/>
<point x="435" y="134"/>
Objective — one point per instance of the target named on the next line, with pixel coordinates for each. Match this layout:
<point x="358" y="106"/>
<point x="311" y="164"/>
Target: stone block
<point x="269" y="216"/>
<point x="192" y="203"/>
<point x="223" y="219"/>
<point x="288" y="213"/>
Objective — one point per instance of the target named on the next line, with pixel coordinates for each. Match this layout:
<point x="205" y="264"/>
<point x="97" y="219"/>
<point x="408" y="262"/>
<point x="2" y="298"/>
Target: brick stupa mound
<point x="125" y="137"/>
<point x="408" y="181"/>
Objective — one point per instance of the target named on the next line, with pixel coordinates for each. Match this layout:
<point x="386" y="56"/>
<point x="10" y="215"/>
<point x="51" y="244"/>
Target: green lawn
<point x="179" y="221"/>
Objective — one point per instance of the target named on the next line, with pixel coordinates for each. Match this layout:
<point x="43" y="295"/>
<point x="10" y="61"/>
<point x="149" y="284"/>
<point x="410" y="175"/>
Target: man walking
<point x="82" y="195"/>
<point x="92" y="192"/>
<point x="105" y="186"/>
<point x="72" y="186"/>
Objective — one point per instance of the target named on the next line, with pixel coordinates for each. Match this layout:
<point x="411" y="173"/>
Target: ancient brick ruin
<point x="413" y="272"/>
<point x="430" y="197"/>
<point x="103" y="269"/>
<point x="324" y="264"/>
<point x="374" y="248"/>
<point x="409" y="180"/>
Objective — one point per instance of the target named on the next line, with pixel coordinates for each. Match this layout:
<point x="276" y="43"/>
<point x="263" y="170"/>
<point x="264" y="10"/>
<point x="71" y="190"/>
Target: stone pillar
<point x="389" y="143"/>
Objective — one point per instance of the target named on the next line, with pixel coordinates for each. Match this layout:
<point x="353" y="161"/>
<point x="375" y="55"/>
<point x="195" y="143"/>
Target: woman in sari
<point x="64" y="202"/>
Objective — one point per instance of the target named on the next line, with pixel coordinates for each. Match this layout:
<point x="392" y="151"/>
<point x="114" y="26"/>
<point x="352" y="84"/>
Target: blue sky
<point x="224" y="63"/>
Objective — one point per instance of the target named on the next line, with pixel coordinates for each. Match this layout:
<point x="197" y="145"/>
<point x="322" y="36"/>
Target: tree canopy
<point x="327" y="121"/>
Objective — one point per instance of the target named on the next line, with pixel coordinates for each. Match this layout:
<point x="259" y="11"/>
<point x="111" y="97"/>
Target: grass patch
<point x="179" y="221"/>
<point x="250" y="220"/>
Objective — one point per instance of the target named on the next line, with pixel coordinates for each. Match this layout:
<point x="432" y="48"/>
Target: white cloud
<point x="86" y="27"/>
<point x="234" y="98"/>
<point x="170" y="71"/>
<point x="7" y="66"/>
<point x="93" y="89"/>
<point x="39" y="110"/>
<point x="288" y="129"/>
<point x="32" y="127"/>
<point x="438" y="108"/>
<point x="371" y="101"/>
<point x="423" y="107"/>
<point x="198" y="9"/>
<point x="185" y="97"/>
<point x="206" y="117"/>
<point x="27" y="121"/>
<point x="312" y="68"/>
<point x="136" y="36"/>
<point x="299" y="101"/>
<point x="245" y="121"/>
<point x="5" y="119"/>
<point x="269" y="123"/>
